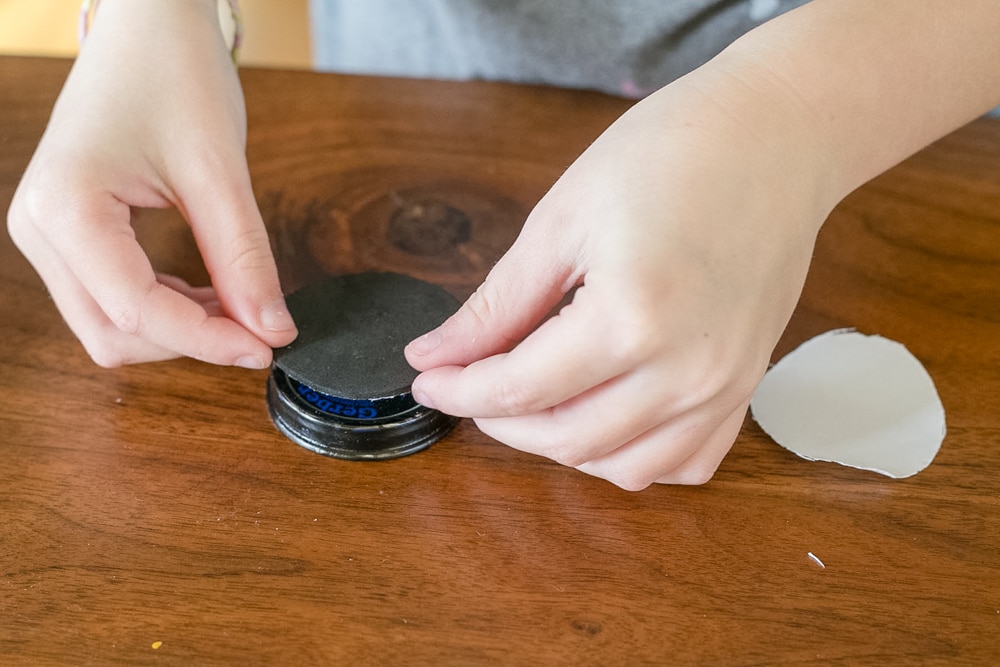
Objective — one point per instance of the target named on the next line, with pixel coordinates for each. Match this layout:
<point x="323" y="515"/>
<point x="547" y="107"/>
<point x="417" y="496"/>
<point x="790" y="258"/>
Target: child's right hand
<point x="687" y="228"/>
<point x="152" y="115"/>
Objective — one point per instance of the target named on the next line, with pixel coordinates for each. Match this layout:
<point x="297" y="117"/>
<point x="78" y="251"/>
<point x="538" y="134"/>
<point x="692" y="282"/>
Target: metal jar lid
<point x="342" y="388"/>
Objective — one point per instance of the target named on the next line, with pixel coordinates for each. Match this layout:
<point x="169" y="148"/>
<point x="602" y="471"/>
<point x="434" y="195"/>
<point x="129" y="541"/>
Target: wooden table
<point x="153" y="514"/>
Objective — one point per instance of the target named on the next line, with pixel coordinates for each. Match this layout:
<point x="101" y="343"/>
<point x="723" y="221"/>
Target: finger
<point x="701" y="466"/>
<point x="203" y="296"/>
<point x="595" y="422"/>
<point x="200" y="295"/>
<point x="578" y="349"/>
<point x="234" y="243"/>
<point x="111" y="267"/>
<point x="687" y="450"/>
<point x="105" y="344"/>
<point x="523" y="287"/>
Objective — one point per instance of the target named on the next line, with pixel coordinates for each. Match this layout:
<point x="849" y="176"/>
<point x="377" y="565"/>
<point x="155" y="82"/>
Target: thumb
<point x="234" y="243"/>
<point x="518" y="293"/>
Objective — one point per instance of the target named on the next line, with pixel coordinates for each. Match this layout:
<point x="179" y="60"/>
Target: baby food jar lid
<point x="342" y="388"/>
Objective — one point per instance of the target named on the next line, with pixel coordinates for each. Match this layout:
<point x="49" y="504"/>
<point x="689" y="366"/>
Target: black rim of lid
<point x="348" y="410"/>
<point x="353" y="439"/>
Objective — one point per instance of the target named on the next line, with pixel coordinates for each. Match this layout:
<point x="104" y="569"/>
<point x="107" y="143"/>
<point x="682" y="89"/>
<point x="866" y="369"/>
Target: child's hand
<point x="152" y="115"/>
<point x="688" y="228"/>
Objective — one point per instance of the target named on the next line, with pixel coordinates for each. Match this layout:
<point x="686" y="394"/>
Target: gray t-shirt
<point x="623" y="47"/>
<point x="626" y="47"/>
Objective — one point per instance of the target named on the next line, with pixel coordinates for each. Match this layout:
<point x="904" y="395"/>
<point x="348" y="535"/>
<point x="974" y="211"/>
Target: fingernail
<point x="252" y="362"/>
<point x="426" y="343"/>
<point x="275" y="317"/>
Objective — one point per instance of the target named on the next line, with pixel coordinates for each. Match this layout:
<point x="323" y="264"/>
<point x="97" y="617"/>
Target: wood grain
<point x="158" y="504"/>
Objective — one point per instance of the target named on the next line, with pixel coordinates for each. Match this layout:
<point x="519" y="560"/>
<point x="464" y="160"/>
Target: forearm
<point x="877" y="81"/>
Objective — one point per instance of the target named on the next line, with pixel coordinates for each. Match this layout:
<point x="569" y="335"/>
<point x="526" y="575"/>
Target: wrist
<point x="734" y="111"/>
<point x="230" y="22"/>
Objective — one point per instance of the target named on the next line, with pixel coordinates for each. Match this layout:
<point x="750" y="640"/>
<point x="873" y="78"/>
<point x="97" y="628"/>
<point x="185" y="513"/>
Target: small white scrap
<point x="816" y="559"/>
<point x="860" y="401"/>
